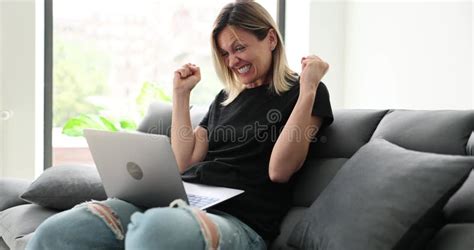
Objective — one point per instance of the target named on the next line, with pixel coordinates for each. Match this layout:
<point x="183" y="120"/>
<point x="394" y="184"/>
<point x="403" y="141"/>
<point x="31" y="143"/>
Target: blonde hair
<point x="251" y="17"/>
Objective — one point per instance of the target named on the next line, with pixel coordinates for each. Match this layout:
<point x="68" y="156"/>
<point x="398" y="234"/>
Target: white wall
<point x="3" y="114"/>
<point x="396" y="54"/>
<point x="297" y="31"/>
<point x="20" y="135"/>
<point x="319" y="29"/>
<point x="409" y="55"/>
<point x="327" y="40"/>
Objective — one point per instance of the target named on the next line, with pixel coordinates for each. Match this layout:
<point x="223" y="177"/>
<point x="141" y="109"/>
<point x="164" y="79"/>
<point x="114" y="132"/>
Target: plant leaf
<point x="108" y="124"/>
<point x="73" y="127"/>
<point x="76" y="125"/>
<point x="128" y="125"/>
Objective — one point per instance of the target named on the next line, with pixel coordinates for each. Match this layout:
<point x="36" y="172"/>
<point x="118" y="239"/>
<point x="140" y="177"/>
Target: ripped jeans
<point x="116" y="224"/>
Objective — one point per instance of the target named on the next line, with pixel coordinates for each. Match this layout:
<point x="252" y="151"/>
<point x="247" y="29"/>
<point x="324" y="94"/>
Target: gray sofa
<point x="444" y="132"/>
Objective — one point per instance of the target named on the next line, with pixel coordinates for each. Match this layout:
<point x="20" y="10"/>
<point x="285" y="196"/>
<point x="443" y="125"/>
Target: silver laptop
<point x="141" y="168"/>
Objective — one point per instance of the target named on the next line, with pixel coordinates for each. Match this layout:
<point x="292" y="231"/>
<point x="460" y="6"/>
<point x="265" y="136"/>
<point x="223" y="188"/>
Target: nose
<point x="233" y="60"/>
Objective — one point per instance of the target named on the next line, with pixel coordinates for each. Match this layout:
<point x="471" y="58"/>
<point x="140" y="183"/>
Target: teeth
<point x="244" y="69"/>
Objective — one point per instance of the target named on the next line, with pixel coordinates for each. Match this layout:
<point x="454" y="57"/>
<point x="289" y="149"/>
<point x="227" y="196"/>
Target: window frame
<point x="48" y="73"/>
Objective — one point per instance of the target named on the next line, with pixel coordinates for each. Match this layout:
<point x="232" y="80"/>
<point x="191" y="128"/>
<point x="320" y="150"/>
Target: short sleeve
<point x="205" y="120"/>
<point x="322" y="105"/>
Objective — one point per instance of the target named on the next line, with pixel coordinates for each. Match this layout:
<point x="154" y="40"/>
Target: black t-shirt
<point x="241" y="139"/>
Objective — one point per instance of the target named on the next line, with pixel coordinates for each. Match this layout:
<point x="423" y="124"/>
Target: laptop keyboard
<point x="200" y="201"/>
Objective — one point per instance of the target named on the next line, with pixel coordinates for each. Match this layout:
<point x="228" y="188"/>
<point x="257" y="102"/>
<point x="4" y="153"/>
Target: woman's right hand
<point x="186" y="77"/>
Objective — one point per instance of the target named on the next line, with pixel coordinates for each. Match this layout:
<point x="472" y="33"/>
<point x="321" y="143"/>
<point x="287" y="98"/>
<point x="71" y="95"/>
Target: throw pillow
<point x="384" y="197"/>
<point x="10" y="190"/>
<point x="460" y="207"/>
<point x="63" y="187"/>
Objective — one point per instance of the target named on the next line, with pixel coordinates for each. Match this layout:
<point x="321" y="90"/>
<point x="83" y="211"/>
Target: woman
<point x="254" y="137"/>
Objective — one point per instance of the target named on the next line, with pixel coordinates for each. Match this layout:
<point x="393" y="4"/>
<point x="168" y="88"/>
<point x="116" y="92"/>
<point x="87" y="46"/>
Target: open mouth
<point x="244" y="69"/>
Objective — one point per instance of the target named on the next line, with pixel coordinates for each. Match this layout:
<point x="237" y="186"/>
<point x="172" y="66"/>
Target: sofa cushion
<point x="20" y="243"/>
<point x="63" y="187"/>
<point x="460" y="207"/>
<point x="439" y="131"/>
<point x="10" y="190"/>
<point x="3" y="245"/>
<point x="22" y="220"/>
<point x="350" y="130"/>
<point x="384" y="197"/>
<point x="286" y="227"/>
<point x="313" y="177"/>
<point x="157" y="119"/>
<point x="453" y="237"/>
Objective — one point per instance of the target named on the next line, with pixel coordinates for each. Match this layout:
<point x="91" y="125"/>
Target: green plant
<point x="148" y="92"/>
<point x="80" y="70"/>
<point x="76" y="125"/>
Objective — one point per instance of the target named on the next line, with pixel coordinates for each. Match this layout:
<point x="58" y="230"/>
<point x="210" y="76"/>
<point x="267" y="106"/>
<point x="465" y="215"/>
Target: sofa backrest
<point x="158" y="118"/>
<point x="437" y="131"/>
<point x="335" y="144"/>
<point x="443" y="132"/>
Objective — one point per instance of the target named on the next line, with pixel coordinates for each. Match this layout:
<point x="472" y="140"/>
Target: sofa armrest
<point x="10" y="191"/>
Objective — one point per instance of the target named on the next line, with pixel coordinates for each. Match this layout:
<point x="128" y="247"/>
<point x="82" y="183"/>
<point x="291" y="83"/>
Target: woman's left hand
<point x="313" y="70"/>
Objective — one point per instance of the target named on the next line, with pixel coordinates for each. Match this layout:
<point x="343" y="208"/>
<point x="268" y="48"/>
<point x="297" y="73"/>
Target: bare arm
<point x="291" y="147"/>
<point x="188" y="146"/>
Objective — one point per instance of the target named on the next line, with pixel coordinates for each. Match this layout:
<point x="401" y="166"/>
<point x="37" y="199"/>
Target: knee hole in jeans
<point x="108" y="216"/>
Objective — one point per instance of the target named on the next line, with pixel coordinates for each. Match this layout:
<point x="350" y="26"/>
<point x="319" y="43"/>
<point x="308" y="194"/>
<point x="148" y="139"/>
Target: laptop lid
<point x="140" y="168"/>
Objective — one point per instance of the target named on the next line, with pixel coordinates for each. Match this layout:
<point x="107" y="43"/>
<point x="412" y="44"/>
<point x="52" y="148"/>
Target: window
<point x="111" y="59"/>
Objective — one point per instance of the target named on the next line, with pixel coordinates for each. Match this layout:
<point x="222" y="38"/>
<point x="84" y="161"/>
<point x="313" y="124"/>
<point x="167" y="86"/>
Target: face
<point x="246" y="56"/>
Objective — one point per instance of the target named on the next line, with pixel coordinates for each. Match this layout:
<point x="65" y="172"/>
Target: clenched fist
<point x="186" y="77"/>
<point x="313" y="70"/>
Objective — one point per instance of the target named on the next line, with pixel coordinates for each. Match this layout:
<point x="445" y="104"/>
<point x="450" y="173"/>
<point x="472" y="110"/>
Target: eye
<point x="239" y="48"/>
<point x="224" y="54"/>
